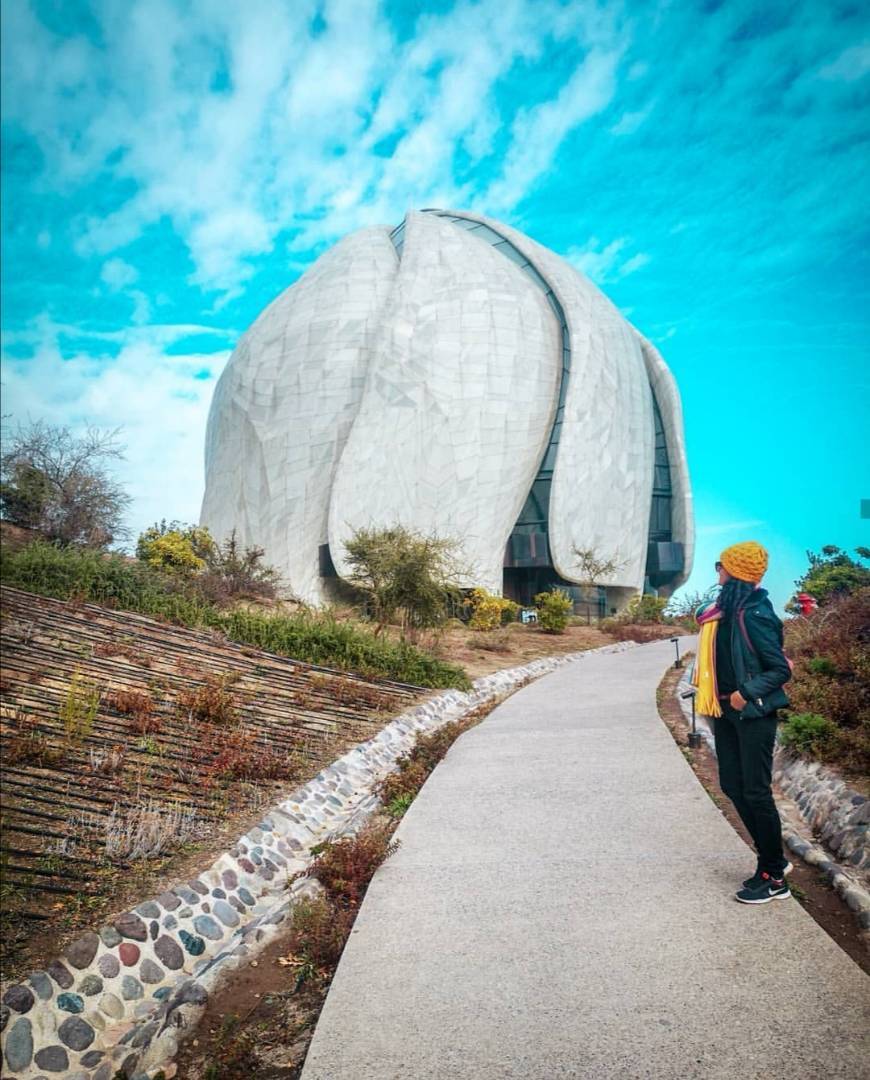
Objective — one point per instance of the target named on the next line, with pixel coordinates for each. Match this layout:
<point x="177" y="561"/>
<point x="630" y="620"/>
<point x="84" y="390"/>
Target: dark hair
<point x="734" y="595"/>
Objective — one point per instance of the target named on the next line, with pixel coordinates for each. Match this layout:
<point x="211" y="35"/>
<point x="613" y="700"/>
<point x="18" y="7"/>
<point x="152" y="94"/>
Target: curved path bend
<point x="562" y="906"/>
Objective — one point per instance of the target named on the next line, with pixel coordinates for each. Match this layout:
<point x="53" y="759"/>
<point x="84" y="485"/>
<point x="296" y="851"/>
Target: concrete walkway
<point x="562" y="906"/>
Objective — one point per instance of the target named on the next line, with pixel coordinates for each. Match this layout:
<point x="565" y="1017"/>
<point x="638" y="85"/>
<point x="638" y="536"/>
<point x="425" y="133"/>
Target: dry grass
<point x="149" y="829"/>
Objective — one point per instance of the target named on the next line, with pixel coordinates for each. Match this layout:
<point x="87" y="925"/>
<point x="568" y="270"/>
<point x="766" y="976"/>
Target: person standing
<point x="747" y="669"/>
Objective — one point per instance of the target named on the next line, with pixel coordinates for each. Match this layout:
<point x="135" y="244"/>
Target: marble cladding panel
<point x="668" y="397"/>
<point x="459" y="403"/>
<point x="285" y="405"/>
<point x="602" y="481"/>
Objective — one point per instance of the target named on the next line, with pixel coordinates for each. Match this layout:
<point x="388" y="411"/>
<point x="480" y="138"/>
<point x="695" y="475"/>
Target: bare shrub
<point x="107" y="762"/>
<point x="146" y="830"/>
<point x="496" y="642"/>
<point x="211" y="703"/>
<point x="319" y="930"/>
<point x="345" y="867"/>
<point x="139" y="706"/>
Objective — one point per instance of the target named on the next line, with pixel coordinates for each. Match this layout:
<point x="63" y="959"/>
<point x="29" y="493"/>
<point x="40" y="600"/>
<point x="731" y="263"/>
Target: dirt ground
<point x="810" y="886"/>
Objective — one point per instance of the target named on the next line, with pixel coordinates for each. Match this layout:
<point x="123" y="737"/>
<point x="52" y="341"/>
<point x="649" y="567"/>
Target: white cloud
<point x="287" y="139"/>
<point x="538" y="132"/>
<point x="118" y="274"/>
<point x="606" y="263"/>
<point x="155" y="398"/>
<point x="629" y="122"/>
<point x="852" y="64"/>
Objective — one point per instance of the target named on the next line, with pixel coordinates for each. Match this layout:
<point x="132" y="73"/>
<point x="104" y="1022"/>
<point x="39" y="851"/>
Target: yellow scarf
<point x="704" y="672"/>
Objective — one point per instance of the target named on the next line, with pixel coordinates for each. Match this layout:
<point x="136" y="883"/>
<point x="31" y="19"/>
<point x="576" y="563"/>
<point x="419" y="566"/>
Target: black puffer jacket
<point x="760" y="665"/>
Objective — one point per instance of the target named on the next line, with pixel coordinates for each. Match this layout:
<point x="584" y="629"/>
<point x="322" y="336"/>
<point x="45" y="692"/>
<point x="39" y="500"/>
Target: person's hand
<point x="738" y="701"/>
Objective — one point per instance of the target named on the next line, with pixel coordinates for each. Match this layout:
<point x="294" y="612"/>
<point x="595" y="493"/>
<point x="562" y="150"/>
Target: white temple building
<point x="454" y="376"/>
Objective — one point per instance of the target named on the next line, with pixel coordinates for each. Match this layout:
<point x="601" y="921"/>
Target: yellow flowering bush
<point x="489" y="611"/>
<point x="177" y="548"/>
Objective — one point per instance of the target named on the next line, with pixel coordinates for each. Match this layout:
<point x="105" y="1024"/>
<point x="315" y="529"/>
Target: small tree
<point x="591" y="567"/>
<point x="59" y="484"/>
<point x="833" y="573"/>
<point x="176" y="547"/>
<point x="404" y="573"/>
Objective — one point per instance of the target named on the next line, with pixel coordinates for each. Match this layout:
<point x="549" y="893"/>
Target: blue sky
<point x="170" y="166"/>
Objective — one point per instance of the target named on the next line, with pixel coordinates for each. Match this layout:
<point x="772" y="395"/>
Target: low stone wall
<point x="821" y="804"/>
<point x="123" y="997"/>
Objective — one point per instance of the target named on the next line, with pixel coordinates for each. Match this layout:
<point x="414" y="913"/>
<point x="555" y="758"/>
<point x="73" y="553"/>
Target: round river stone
<point x="128" y="953"/>
<point x="112" y="1006"/>
<point x="90" y="985"/>
<point x="76" y="1033"/>
<point x="194" y="945"/>
<point x="19" y="998"/>
<point x="82" y="952"/>
<point x="19" y="1044"/>
<point x="169" y="900"/>
<point x="246" y="897"/>
<point x="169" y="952"/>
<point x="131" y="926"/>
<point x="109" y="966"/>
<point x="149" y="910"/>
<point x="149" y="972"/>
<point x="225" y="913"/>
<point x="91" y="1058"/>
<point x="52" y="1059"/>
<point x="110" y="937"/>
<point x="219" y="894"/>
<point x="230" y="879"/>
<point x="70" y="1003"/>
<point x="60" y="974"/>
<point x="205" y="925"/>
<point x="170" y="922"/>
<point x="131" y="988"/>
<point x="41" y="984"/>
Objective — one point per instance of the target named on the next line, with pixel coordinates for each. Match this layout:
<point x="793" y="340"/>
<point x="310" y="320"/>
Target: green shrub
<point x="808" y="734"/>
<point x="644" y="609"/>
<point x="129" y="585"/>
<point x="821" y="665"/>
<point x="554" y="608"/>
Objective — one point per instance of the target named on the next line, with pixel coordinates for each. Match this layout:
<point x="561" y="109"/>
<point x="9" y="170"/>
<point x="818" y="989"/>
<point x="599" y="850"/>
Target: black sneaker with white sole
<point x="757" y="880"/>
<point x="770" y="889"/>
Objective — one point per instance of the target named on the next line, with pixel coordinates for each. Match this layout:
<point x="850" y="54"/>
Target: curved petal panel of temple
<point x="454" y="376"/>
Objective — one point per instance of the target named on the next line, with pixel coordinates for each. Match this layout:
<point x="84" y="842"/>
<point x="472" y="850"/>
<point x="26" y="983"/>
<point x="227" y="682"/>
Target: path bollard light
<point x="678" y="662"/>
<point x="694" y="736"/>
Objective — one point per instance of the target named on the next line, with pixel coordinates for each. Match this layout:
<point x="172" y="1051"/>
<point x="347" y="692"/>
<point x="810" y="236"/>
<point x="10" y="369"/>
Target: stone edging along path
<point x="123" y="997"/>
<point x="824" y="805"/>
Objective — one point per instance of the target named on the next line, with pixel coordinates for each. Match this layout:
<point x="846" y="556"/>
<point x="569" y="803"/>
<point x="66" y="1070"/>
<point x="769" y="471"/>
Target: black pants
<point x="745" y="752"/>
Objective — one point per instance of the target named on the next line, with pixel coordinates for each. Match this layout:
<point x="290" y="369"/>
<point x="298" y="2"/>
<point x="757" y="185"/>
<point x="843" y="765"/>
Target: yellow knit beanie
<point x="746" y="561"/>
